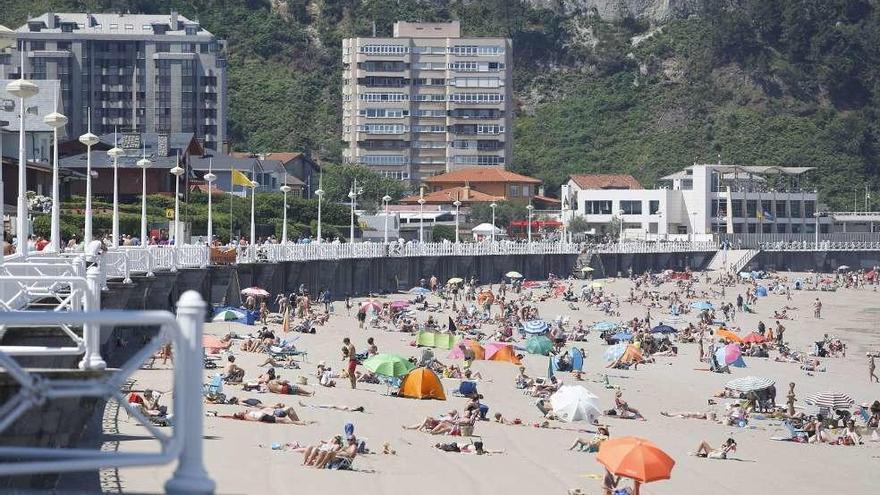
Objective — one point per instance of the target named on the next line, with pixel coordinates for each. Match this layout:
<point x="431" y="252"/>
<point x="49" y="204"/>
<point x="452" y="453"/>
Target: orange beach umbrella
<point x="726" y="334"/>
<point x="635" y="458"/>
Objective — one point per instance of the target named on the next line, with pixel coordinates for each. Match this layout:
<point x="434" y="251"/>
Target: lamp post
<point x="210" y="178"/>
<point x="493" y="206"/>
<point x="817" y="214"/>
<point x="386" y="199"/>
<point x="254" y="186"/>
<point x="89" y="140"/>
<point x="620" y="214"/>
<point x="421" y="215"/>
<point x="694" y="226"/>
<point x="457" y="205"/>
<point x="177" y="171"/>
<point x="56" y="121"/>
<point x="115" y="152"/>
<point x="564" y="212"/>
<point x="529" y="207"/>
<point x="352" y="195"/>
<point x="320" y="194"/>
<point x="284" y="189"/>
<point x="144" y="164"/>
<point x="23" y="90"/>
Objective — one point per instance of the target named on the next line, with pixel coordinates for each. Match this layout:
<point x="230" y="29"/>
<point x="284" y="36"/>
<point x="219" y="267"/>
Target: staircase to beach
<point x="732" y="260"/>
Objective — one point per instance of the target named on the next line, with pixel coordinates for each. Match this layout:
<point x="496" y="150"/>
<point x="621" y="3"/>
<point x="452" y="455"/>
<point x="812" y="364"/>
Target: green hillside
<point x="756" y="82"/>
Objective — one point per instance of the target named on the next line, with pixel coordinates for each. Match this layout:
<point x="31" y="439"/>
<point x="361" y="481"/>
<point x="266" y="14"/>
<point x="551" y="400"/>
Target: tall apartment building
<point x="144" y="73"/>
<point x="426" y="101"/>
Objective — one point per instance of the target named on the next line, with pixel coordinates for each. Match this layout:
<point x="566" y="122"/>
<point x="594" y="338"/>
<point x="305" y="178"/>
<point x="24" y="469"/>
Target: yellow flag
<point x="239" y="179"/>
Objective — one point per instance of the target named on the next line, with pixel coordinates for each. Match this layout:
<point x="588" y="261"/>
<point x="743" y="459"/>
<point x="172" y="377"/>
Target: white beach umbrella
<point x="750" y="383"/>
<point x="830" y="400"/>
<point x="575" y="403"/>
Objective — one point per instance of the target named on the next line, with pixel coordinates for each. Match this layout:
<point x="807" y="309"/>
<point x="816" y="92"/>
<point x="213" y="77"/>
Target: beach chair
<point x="340" y="464"/>
<point x="213" y="390"/>
<point x="795" y="434"/>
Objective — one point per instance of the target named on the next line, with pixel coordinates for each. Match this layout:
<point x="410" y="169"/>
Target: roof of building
<point x="741" y="169"/>
<point x="112" y="23"/>
<point x="225" y="163"/>
<point x="482" y="174"/>
<point x="606" y="181"/>
<point x="38" y="106"/>
<point x="463" y="194"/>
<point x="546" y="199"/>
<point x="134" y="146"/>
<point x="283" y="156"/>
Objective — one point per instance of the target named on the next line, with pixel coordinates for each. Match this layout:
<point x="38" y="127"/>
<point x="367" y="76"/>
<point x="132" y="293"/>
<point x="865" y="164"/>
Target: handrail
<point x="184" y="444"/>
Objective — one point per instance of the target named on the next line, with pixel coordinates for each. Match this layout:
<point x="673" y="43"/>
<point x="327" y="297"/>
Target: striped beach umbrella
<point x="535" y="327"/>
<point x="830" y="400"/>
<point x="749" y="383"/>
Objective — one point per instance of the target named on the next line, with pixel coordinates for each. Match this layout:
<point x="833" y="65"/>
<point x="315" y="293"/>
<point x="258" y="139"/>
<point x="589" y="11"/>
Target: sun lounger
<point x="794" y="434"/>
<point x="213" y="390"/>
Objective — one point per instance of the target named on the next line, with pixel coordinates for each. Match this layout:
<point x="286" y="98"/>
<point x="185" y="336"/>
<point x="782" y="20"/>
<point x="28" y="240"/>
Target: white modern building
<point x="697" y="201"/>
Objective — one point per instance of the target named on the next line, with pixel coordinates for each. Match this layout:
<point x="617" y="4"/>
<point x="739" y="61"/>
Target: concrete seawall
<point x="823" y="261"/>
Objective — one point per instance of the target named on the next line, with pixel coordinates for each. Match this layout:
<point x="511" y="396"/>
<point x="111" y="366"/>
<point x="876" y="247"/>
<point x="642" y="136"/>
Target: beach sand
<point x="239" y="457"/>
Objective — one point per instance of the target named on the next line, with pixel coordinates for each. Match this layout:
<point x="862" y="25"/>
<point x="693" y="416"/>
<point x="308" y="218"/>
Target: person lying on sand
<point x="466" y="448"/>
<point x="706" y="450"/>
<point x="270" y="415"/>
<point x="333" y="407"/>
<point x="501" y="419"/>
<point x="453" y="427"/>
<point x="591" y="444"/>
<point x="319" y="452"/>
<point x="708" y="415"/>
<point x="430" y="423"/>
<point x="334" y="458"/>
<point x="284" y="387"/>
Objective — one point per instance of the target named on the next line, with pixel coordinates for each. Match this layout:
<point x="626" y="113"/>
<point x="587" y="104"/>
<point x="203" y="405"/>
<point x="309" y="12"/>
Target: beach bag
<point x="302" y="380"/>
<point x="449" y="447"/>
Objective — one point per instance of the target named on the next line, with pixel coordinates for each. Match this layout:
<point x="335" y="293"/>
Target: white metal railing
<point x="184" y="443"/>
<point x="24" y="282"/>
<point x="804" y="240"/>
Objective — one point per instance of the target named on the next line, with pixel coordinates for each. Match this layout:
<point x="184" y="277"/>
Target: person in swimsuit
<point x="284" y="387"/>
<point x="350" y="353"/>
<point x="706" y="450"/>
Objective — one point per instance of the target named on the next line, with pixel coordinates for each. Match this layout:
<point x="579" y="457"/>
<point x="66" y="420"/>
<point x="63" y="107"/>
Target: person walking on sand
<point x="872" y="376"/>
<point x="817" y="309"/>
<point x="348" y="351"/>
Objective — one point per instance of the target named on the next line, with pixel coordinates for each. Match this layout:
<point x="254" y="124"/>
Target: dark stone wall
<point x="823" y="261"/>
<point x="612" y="265"/>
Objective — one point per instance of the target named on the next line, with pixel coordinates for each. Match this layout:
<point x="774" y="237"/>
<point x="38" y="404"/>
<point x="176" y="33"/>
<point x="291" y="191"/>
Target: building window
<point x="737" y="208"/>
<point x="687" y="184"/>
<point x="795" y="209"/>
<point x="429" y="128"/>
<point x="383" y="97"/>
<point x="474" y="51"/>
<point x="383" y="49"/>
<point x="597" y="207"/>
<point x="809" y="208"/>
<point x="478" y="160"/>
<point x="372" y="113"/>
<point x="751" y="208"/>
<point x="38" y="45"/>
<point x="477" y="82"/>
<point x="514" y="191"/>
<point x="653" y="207"/>
<point x="781" y="209"/>
<point x="382" y="160"/>
<point x="526" y="190"/>
<point x="476" y="97"/>
<point x="382" y="128"/>
<point x="631" y="207"/>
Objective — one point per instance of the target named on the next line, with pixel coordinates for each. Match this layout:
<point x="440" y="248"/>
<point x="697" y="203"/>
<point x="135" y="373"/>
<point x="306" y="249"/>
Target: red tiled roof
<point x="482" y="174"/>
<point x="545" y="199"/>
<point x="606" y="181"/>
<point x="282" y="157"/>
<point x="449" y="195"/>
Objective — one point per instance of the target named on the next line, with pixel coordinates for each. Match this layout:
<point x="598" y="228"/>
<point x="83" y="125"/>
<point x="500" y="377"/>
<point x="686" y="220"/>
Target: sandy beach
<point x="239" y="457"/>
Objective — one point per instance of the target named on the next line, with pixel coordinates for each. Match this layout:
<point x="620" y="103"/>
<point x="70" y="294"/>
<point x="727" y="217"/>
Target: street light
<point x="254" y="186"/>
<point x="564" y="213"/>
<point x="817" y="214"/>
<point x="177" y="171"/>
<point x="23" y="90"/>
<point x="620" y="214"/>
<point x="320" y="194"/>
<point x="694" y="226"/>
<point x="353" y="194"/>
<point x="89" y="140"/>
<point x="115" y="152"/>
<point x="284" y="189"/>
<point x="457" y="205"/>
<point x="56" y="121"/>
<point x="529" y="207"/>
<point x="210" y="178"/>
<point x="144" y="164"/>
<point x="421" y="215"/>
<point x="493" y="206"/>
<point x="386" y="199"/>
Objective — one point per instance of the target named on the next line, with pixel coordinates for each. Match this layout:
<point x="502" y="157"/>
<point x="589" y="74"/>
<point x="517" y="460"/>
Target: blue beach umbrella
<point x="614" y="352"/>
<point x="761" y="291"/>
<point x="604" y="325"/>
<point x="419" y="290"/>
<point x="535" y="327"/>
<point x="622" y="336"/>
<point x="661" y="328"/>
<point x="702" y="305"/>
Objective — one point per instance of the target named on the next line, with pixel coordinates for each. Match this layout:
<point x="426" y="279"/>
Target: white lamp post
<point x="56" y="121"/>
<point x="144" y="164"/>
<point x="620" y="214"/>
<point x="89" y="140"/>
<point x="353" y="194"/>
<point x="285" y="189"/>
<point x="210" y="178"/>
<point x="386" y="199"/>
<point x="457" y="205"/>
<point x="254" y="186"/>
<point x="115" y="152"/>
<point x="320" y="194"/>
<point x="493" y="206"/>
<point x="817" y="214"/>
<point x="564" y="212"/>
<point x="23" y="90"/>
<point x="177" y="171"/>
<point x="421" y="215"/>
<point x="529" y="207"/>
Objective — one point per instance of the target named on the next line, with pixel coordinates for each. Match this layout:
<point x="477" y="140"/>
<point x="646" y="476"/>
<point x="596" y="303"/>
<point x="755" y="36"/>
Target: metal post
<point x="115" y="225"/>
<point x="79" y="270"/>
<point x="2" y="187"/>
<point x="253" y="242"/>
<point x="126" y="267"/>
<point x="91" y="331"/>
<point x="22" y="206"/>
<point x="457" y="204"/>
<point x="190" y="477"/>
<point x="150" y="264"/>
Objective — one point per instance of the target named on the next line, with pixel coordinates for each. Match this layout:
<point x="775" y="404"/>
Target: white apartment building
<point x="699" y="200"/>
<point x="426" y="101"/>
